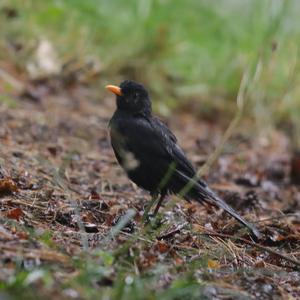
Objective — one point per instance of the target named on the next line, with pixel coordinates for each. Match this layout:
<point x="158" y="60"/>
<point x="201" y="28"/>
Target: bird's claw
<point x="153" y="220"/>
<point x="149" y="218"/>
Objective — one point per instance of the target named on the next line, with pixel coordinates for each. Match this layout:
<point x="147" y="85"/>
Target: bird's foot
<point x="149" y="218"/>
<point x="154" y="221"/>
<point x="147" y="209"/>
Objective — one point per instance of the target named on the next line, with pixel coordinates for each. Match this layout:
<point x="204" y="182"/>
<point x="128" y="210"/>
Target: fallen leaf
<point x="213" y="264"/>
<point x="147" y="260"/>
<point x="260" y="264"/>
<point x="22" y="235"/>
<point x="7" y="186"/>
<point x="178" y="261"/>
<point x="162" y="247"/>
<point x="15" y="213"/>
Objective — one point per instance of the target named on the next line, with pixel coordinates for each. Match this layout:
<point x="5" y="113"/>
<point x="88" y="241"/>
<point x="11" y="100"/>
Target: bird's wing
<point x="157" y="123"/>
<point x="144" y="139"/>
<point x="175" y="153"/>
<point x="150" y="139"/>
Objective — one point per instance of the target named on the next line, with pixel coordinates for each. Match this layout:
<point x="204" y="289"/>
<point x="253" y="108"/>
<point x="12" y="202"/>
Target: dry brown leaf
<point x="162" y="247"/>
<point x="260" y="264"/>
<point x="15" y="213"/>
<point x="22" y="235"/>
<point x="7" y="186"/>
<point x="213" y="264"/>
<point x="148" y="260"/>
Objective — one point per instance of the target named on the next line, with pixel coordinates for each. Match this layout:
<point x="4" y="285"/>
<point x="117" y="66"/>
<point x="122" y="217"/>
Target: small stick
<point x="171" y="233"/>
<point x="289" y="259"/>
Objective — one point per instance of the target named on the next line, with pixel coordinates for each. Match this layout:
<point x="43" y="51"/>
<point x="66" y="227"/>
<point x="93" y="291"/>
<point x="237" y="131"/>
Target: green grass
<point x="184" y="50"/>
<point x="104" y="274"/>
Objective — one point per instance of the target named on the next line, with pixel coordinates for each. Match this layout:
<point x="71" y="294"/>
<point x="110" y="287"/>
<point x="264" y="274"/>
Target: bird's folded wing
<point x="154" y="139"/>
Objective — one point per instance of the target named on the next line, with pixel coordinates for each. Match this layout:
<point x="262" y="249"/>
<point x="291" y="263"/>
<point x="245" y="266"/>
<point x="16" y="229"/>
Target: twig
<point x="283" y="256"/>
<point x="47" y="255"/>
<point x="20" y="202"/>
<point x="277" y="218"/>
<point x="171" y="233"/>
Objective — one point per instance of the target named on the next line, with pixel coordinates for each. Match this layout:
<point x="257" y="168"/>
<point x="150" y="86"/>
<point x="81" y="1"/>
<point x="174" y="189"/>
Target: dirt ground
<point x="62" y="192"/>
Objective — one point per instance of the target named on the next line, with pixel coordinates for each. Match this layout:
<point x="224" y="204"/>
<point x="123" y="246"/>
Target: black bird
<point x="148" y="151"/>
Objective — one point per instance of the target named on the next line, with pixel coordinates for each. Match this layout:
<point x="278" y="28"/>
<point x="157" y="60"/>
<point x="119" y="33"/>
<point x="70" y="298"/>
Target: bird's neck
<point x="146" y="113"/>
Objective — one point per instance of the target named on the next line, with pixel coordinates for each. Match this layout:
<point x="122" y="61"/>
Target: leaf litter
<point x="65" y="203"/>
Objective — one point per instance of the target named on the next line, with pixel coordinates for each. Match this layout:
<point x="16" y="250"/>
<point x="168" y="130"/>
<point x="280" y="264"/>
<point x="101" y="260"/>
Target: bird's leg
<point x="159" y="203"/>
<point x="148" y="207"/>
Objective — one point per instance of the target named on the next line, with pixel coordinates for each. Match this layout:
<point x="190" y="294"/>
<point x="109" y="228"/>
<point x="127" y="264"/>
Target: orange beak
<point x="114" y="89"/>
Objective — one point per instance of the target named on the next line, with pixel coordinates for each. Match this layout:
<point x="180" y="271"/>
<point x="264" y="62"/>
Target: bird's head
<point x="132" y="97"/>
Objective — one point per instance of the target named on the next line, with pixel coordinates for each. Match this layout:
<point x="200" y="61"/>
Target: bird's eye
<point x="136" y="95"/>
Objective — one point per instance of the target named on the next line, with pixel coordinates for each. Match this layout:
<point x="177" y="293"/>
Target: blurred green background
<point x="191" y="54"/>
<point x="194" y="50"/>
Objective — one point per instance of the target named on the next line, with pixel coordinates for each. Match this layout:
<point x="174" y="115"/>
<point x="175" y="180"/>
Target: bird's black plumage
<point x="149" y="153"/>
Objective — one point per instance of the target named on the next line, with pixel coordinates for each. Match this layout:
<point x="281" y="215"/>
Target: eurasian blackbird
<point x="148" y="151"/>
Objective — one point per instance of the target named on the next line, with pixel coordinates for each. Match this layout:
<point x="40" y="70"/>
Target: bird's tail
<point x="200" y="192"/>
